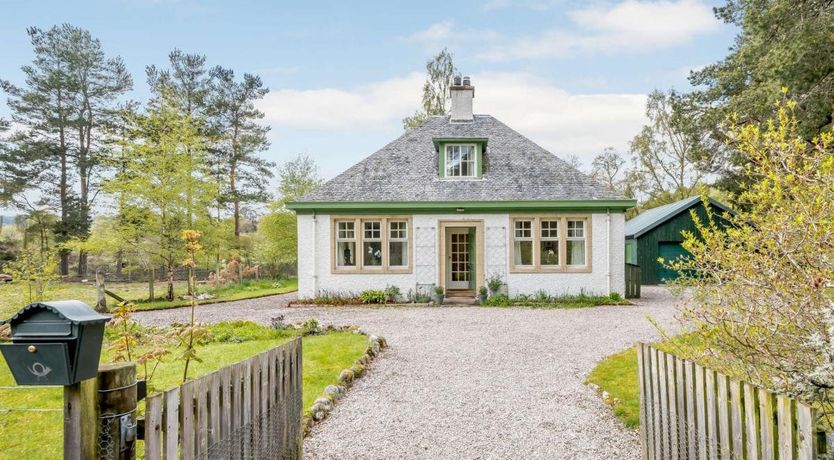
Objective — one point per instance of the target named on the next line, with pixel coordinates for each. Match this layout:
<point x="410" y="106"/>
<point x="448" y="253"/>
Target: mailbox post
<point x="59" y="343"/>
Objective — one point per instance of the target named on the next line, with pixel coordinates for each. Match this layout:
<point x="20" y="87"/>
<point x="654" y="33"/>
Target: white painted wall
<point x="314" y="274"/>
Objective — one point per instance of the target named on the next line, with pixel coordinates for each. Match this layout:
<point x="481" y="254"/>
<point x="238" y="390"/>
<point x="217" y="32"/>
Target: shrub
<point x="482" y="290"/>
<point x="542" y="299"/>
<point x="372" y="296"/>
<point x="438" y="290"/>
<point x="392" y="293"/>
<point x="494" y="283"/>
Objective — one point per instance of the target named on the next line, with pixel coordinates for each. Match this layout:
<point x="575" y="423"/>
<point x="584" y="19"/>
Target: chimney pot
<point x="462" y="93"/>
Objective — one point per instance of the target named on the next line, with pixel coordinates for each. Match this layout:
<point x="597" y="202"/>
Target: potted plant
<point x="495" y="284"/>
<point x="482" y="294"/>
<point x="438" y="295"/>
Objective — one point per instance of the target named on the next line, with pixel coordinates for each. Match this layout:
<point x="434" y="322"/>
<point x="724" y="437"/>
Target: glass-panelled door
<point x="459" y="268"/>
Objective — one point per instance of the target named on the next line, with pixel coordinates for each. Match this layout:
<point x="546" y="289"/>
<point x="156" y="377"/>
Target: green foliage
<point x="668" y="157"/>
<point x="244" y="331"/>
<point x="780" y="43"/>
<point x="617" y="375"/>
<point x="762" y="296"/>
<point x="483" y="291"/>
<point x="438" y="290"/>
<point x="494" y="283"/>
<point x="276" y="242"/>
<point x="543" y="300"/>
<point x="297" y="178"/>
<point x="373" y="296"/>
<point x="32" y="271"/>
<point x="439" y="73"/>
<point x="332" y="298"/>
<point x="392" y="293"/>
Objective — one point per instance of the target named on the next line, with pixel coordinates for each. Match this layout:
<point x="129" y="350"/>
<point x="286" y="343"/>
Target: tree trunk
<point x="101" y="298"/>
<point x="82" y="263"/>
<point x="151" y="281"/>
<point x="169" y="296"/>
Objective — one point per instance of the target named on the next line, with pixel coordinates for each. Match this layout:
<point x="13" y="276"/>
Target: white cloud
<point x="561" y="122"/>
<point x="364" y="107"/>
<point x="631" y="25"/>
<point x="449" y="33"/>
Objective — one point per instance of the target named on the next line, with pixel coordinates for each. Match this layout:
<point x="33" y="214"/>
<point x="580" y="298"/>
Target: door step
<point x="460" y="301"/>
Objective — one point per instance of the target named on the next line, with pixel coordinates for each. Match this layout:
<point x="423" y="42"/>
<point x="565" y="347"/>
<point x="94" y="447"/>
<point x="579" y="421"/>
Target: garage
<point x="657" y="233"/>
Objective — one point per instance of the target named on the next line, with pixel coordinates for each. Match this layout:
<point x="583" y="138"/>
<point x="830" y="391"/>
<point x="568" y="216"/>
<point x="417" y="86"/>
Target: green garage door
<point x="669" y="251"/>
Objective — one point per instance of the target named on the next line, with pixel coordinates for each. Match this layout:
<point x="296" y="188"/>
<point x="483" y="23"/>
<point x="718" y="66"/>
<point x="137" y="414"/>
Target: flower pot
<point x="482" y="298"/>
<point x="438" y="299"/>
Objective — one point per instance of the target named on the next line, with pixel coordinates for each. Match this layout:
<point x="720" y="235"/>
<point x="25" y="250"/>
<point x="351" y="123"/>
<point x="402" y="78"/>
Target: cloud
<point x="561" y="122"/>
<point x="448" y="33"/>
<point x="360" y="108"/>
<point x="630" y="26"/>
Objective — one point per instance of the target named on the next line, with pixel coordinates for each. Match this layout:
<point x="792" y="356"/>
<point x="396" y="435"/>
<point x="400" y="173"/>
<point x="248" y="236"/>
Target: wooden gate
<point x="632" y="281"/>
<point x="249" y="410"/>
<point x="691" y="412"/>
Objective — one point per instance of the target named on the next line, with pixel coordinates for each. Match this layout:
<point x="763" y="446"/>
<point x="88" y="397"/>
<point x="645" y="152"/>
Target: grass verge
<point x="13" y="296"/>
<point x="617" y="375"/>
<point x="37" y="434"/>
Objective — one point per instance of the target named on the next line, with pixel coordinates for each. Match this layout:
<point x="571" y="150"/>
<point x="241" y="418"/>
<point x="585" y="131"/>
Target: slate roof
<point x="515" y="169"/>
<point x="651" y="218"/>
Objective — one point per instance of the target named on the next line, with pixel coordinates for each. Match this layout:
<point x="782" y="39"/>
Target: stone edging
<point x="332" y="393"/>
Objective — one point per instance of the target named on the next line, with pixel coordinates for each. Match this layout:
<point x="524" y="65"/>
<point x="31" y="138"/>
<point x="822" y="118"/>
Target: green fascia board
<point x="459" y="207"/>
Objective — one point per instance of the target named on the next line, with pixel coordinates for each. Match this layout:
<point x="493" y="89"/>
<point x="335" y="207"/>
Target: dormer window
<point x="461" y="160"/>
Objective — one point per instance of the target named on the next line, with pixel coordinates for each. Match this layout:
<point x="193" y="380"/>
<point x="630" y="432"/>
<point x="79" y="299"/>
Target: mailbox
<point x="54" y="343"/>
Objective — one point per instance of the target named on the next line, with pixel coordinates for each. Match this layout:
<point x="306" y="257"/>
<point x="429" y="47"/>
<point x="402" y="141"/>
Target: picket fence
<point x="249" y="410"/>
<point x="691" y="412"/>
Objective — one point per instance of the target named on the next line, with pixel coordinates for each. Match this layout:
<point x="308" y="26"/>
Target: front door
<point x="460" y="264"/>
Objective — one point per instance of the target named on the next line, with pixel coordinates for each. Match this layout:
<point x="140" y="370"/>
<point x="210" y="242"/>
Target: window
<point x="397" y="243"/>
<point x="345" y="244"/>
<point x="523" y="244"/>
<point x="576" y="242"/>
<point x="372" y="244"/>
<point x="549" y="243"/>
<point x="461" y="160"/>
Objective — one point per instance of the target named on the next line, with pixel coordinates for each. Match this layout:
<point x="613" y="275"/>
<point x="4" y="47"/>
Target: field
<point x="15" y="296"/>
<point x="31" y="417"/>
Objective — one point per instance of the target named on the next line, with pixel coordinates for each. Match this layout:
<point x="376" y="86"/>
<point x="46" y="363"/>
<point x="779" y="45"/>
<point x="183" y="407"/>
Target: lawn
<point x="15" y="296"/>
<point x="37" y="434"/>
<point x="617" y="374"/>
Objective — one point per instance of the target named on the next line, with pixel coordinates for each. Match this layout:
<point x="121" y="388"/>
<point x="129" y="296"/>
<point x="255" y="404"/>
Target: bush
<point x="392" y="293"/>
<point x="494" y="283"/>
<point x="372" y="296"/>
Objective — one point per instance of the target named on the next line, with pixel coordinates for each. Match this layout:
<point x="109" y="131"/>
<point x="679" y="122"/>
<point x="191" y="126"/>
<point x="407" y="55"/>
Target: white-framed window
<point x="523" y="242"/>
<point x="461" y="160"/>
<point x="576" y="243"/>
<point x="549" y="243"/>
<point x="372" y="243"/>
<point x="397" y="243"/>
<point x="345" y="243"/>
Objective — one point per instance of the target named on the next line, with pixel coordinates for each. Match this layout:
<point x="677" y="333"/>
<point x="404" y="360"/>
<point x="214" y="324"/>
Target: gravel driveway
<point x="470" y="382"/>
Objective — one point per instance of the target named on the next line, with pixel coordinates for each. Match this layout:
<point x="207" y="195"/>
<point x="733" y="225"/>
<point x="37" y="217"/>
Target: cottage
<point x="656" y="233"/>
<point x="454" y="202"/>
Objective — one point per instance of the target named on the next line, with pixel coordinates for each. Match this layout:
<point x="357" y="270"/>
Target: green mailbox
<point x="54" y="343"/>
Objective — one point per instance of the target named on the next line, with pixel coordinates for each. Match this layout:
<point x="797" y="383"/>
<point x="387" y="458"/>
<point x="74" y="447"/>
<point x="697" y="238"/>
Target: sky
<point x="572" y="76"/>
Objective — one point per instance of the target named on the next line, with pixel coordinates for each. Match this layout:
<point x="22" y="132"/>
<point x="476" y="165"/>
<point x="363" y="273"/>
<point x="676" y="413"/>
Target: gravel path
<point x="470" y="382"/>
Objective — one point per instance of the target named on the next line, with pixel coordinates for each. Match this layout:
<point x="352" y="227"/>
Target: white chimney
<point x="462" y="93"/>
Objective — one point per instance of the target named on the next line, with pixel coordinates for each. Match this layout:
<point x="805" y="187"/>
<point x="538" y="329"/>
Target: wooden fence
<point x="632" y="281"/>
<point x="251" y="409"/>
<point x="691" y="412"/>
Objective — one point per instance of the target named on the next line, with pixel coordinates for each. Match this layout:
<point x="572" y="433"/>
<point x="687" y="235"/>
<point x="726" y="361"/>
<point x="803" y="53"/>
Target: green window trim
<point x="442" y="144"/>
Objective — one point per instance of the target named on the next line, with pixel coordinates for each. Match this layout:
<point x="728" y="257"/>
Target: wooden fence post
<point x="101" y="298"/>
<point x="117" y="400"/>
<point x="80" y="420"/>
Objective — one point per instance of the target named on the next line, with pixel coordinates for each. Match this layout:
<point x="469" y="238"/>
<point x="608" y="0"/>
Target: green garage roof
<point x="650" y="219"/>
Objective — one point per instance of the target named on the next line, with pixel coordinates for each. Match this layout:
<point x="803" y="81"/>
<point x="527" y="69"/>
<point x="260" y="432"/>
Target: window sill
<point x="546" y="270"/>
<point x="371" y="271"/>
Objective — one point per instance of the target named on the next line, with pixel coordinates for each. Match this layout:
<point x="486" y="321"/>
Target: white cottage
<point x="455" y="202"/>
